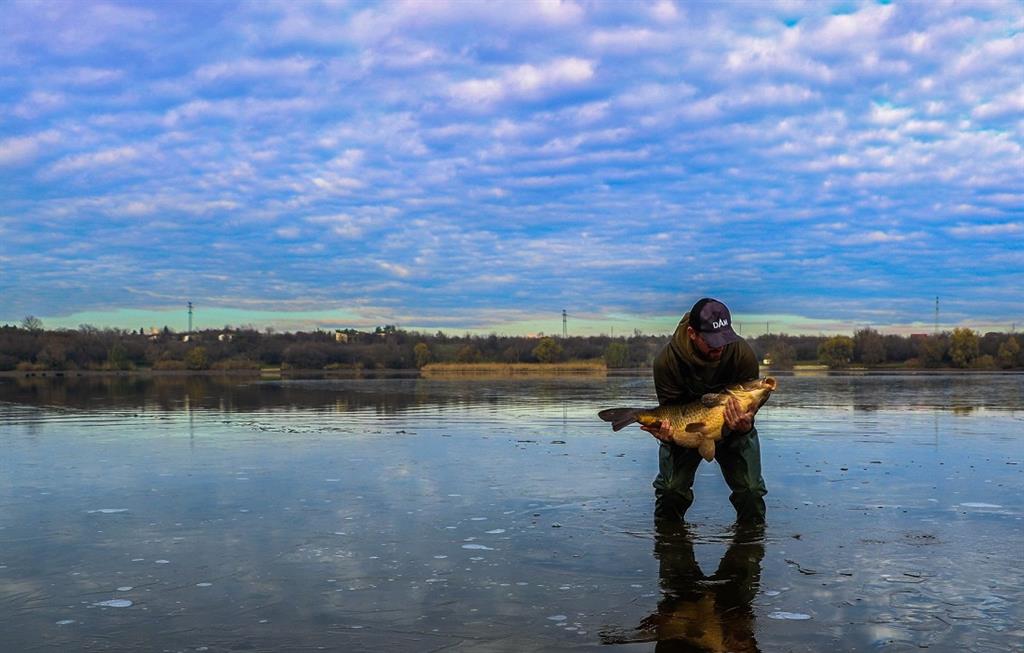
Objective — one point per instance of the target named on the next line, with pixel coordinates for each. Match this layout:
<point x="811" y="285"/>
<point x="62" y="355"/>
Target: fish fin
<point x="619" y="417"/>
<point x="696" y="427"/>
<point x="707" y="449"/>
<point x="712" y="399"/>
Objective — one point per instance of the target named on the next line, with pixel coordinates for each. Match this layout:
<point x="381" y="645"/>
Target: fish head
<point x="756" y="392"/>
<point x="765" y="390"/>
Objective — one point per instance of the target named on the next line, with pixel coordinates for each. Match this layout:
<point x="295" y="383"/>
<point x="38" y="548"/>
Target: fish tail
<point x="619" y="417"/>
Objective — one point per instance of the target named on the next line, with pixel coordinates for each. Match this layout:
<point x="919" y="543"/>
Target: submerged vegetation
<point x="30" y="347"/>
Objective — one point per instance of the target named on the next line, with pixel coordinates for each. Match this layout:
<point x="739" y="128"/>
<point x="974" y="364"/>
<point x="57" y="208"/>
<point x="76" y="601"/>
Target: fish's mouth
<point x="770" y="383"/>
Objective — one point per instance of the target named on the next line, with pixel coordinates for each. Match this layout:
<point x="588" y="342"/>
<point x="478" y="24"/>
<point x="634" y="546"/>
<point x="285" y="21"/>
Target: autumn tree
<point x="421" y="352"/>
<point x="778" y="350"/>
<point x="1009" y="353"/>
<point x="468" y="354"/>
<point x="932" y="350"/>
<point x="196" y="359"/>
<point x="117" y="357"/>
<point x="616" y="354"/>
<point x="869" y="347"/>
<point x="963" y="347"/>
<point x="548" y="351"/>
<point x="836" y="352"/>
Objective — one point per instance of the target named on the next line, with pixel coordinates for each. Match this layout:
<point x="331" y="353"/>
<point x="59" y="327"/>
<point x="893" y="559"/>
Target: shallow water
<point x="204" y="514"/>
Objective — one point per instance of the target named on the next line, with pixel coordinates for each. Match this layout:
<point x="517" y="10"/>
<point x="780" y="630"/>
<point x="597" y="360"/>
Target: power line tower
<point x="565" y="330"/>
<point x="190" y="317"/>
<point x="936" y="332"/>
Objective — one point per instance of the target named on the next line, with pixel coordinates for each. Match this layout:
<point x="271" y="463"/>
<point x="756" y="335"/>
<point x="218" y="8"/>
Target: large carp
<point x="698" y="424"/>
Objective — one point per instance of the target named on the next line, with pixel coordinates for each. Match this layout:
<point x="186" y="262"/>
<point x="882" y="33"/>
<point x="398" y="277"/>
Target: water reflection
<point x="700" y="613"/>
<point x="413" y="514"/>
<point x="234" y="394"/>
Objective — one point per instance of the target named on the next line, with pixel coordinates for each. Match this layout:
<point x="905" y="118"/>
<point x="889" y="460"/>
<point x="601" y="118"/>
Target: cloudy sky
<point x="483" y="166"/>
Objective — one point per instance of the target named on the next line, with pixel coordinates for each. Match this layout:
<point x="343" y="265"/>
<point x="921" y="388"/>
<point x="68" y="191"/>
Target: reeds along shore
<point x="593" y="367"/>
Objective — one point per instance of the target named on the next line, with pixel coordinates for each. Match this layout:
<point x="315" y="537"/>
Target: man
<point x="705" y="355"/>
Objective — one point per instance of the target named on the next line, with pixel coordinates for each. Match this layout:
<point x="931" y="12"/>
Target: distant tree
<point x="1009" y="352"/>
<point x="869" y="347"/>
<point x="32" y="323"/>
<point x="196" y="359"/>
<point x="984" y="362"/>
<point x="932" y="350"/>
<point x="782" y="355"/>
<point x="309" y="355"/>
<point x="616" y="354"/>
<point x="836" y="352"/>
<point x="468" y="354"/>
<point x="548" y="351"/>
<point x="963" y="347"/>
<point x="117" y="357"/>
<point x="422" y="354"/>
<point x="898" y="349"/>
<point x="54" y="353"/>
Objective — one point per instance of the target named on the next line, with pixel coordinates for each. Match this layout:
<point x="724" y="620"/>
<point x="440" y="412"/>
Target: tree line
<point x="30" y="347"/>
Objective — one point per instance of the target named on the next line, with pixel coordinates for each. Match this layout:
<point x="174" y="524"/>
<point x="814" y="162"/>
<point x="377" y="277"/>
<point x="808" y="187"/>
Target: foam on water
<point x="114" y="603"/>
<point x="792" y="616"/>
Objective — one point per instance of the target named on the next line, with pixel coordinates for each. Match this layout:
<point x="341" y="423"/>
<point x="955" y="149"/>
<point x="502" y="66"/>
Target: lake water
<point x="208" y="514"/>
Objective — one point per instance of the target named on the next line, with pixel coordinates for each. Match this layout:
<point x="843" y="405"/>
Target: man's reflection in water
<point x="698" y="612"/>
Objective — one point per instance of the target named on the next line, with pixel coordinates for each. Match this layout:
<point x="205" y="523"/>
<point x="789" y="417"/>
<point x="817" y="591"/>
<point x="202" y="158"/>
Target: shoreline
<point x="517" y="370"/>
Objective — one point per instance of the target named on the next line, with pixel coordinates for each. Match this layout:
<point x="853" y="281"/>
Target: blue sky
<point x="483" y="166"/>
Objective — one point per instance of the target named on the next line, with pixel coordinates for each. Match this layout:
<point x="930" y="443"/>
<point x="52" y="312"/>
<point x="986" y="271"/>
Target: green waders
<point x="739" y="456"/>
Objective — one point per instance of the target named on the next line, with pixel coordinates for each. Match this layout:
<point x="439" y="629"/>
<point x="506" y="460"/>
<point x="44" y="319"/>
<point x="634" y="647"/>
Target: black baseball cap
<point x="711" y="319"/>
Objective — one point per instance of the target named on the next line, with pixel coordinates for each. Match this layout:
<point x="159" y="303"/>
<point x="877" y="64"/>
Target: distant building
<point x="226" y="337"/>
<point x="340" y="336"/>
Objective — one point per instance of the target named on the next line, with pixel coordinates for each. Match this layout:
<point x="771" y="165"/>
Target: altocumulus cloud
<point x="485" y="165"/>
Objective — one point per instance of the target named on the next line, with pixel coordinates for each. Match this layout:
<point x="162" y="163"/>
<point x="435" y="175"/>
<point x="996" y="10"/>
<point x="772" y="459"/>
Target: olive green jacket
<point x="681" y="375"/>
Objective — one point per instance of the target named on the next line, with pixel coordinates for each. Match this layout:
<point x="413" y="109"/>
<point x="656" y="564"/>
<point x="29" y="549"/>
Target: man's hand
<point x="661" y="431"/>
<point x="738" y="420"/>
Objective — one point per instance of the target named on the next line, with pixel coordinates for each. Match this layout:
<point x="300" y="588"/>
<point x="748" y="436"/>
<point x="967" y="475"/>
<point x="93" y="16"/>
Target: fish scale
<point x="697" y="424"/>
